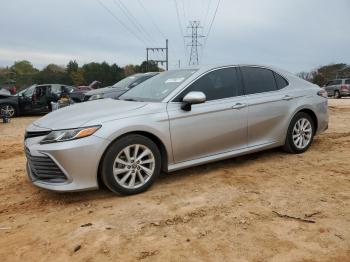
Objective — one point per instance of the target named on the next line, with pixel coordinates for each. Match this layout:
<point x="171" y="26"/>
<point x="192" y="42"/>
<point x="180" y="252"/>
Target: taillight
<point x="322" y="93"/>
<point x="344" y="88"/>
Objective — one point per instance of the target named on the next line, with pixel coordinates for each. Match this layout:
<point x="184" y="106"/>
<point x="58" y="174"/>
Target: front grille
<point x="43" y="168"/>
<point x="35" y="134"/>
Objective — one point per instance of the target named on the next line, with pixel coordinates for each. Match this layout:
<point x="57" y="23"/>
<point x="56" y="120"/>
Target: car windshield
<point x="29" y="91"/>
<point x="158" y="87"/>
<point x="124" y="83"/>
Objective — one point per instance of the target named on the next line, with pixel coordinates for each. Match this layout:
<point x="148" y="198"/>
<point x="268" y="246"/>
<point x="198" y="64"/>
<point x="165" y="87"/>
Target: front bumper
<point x="345" y="93"/>
<point x="65" y="166"/>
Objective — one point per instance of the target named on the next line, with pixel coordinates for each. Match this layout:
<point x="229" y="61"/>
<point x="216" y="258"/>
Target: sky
<point x="296" y="35"/>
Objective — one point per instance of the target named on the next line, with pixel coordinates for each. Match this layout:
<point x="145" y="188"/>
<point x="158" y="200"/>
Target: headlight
<point x="95" y="97"/>
<point x="69" y="134"/>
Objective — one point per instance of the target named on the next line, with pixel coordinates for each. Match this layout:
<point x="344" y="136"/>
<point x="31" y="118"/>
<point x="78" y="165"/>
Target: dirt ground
<point x="224" y="211"/>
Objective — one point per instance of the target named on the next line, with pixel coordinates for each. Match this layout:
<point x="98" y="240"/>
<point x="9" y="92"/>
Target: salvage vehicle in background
<point x="37" y="99"/>
<point x="174" y="120"/>
<point x="10" y="86"/>
<point x="338" y="88"/>
<point x="119" y="88"/>
<point x="93" y="85"/>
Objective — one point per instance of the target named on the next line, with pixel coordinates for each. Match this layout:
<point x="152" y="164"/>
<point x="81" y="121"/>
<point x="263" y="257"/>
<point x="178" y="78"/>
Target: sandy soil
<point x="218" y="212"/>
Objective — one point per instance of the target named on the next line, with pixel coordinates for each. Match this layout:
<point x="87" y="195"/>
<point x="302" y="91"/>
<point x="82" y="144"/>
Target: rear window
<point x="280" y="81"/>
<point x="347" y="81"/>
<point x="334" y="82"/>
<point x="258" y="80"/>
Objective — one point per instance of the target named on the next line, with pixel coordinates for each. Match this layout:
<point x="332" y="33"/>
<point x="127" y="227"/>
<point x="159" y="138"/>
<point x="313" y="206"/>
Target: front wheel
<point x="300" y="134"/>
<point x="7" y="110"/>
<point x="131" y="165"/>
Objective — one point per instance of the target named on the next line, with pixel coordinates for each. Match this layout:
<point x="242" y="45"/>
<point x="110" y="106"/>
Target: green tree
<point x="103" y="72"/>
<point x="52" y="74"/>
<point x="72" y="66"/>
<point x="151" y="66"/>
<point x="23" y="67"/>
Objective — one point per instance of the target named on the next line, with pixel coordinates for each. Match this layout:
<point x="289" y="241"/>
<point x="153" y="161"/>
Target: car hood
<point x="4" y="92"/>
<point x="105" y="90"/>
<point x="89" y="113"/>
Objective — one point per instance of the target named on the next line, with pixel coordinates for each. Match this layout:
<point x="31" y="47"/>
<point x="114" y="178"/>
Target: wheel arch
<point x="159" y="143"/>
<point x="312" y="114"/>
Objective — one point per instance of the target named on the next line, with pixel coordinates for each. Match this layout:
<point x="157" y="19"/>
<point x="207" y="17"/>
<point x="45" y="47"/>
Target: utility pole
<point x="194" y="44"/>
<point x="163" y="50"/>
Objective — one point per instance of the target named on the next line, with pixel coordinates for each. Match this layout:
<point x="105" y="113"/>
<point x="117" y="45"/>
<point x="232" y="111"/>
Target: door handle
<point x="287" y="98"/>
<point x="238" y="106"/>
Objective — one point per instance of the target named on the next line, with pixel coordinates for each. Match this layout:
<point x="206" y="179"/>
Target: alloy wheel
<point x="8" y="110"/>
<point x="133" y="166"/>
<point x="302" y="133"/>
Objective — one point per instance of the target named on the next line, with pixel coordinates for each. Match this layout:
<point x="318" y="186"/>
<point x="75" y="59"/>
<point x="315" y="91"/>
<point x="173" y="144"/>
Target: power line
<point x="212" y="21"/>
<point x="183" y="10"/>
<point x="121" y="22"/>
<point x="151" y="18"/>
<point x="206" y="14"/>
<point x="180" y="25"/>
<point x="133" y="20"/>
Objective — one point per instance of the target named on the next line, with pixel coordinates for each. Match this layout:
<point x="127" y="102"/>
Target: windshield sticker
<point x="175" y="80"/>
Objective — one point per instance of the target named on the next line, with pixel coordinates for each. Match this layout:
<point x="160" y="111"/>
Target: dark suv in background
<point x="338" y="87"/>
<point x="36" y="99"/>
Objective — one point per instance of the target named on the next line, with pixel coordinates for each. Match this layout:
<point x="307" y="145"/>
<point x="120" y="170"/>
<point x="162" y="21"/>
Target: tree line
<point x="23" y="73"/>
<point x="321" y="75"/>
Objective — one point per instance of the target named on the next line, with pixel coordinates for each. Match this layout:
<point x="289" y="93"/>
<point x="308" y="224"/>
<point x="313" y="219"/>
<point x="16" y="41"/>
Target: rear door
<point x="219" y="125"/>
<point x="268" y="105"/>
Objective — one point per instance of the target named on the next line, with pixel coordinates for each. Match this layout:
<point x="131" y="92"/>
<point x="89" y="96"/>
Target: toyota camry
<point x="175" y="120"/>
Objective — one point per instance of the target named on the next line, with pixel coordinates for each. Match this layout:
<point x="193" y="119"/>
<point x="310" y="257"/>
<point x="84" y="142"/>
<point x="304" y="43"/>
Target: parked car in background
<point x="338" y="88"/>
<point x="37" y="99"/>
<point x="4" y="91"/>
<point x="10" y="86"/>
<point x="94" y="85"/>
<point x="174" y="120"/>
<point x="119" y="88"/>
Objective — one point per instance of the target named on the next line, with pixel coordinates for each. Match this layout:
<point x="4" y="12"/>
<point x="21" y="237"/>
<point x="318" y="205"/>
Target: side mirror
<point x="192" y="98"/>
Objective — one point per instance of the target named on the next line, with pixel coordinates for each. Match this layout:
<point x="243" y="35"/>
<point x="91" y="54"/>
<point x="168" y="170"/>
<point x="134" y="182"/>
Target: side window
<point x="280" y="81"/>
<point x="258" y="80"/>
<point x="347" y="81"/>
<point x="330" y="83"/>
<point x="40" y="92"/>
<point x="218" y="84"/>
<point x="336" y="82"/>
<point x="56" y="89"/>
<point x="67" y="89"/>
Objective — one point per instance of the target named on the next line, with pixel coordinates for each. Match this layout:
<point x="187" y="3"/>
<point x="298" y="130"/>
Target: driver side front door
<point x="217" y="126"/>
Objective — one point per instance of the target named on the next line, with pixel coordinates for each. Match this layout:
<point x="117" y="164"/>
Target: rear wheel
<point x="131" y="165"/>
<point x="300" y="134"/>
<point x="337" y="94"/>
<point x="7" y="110"/>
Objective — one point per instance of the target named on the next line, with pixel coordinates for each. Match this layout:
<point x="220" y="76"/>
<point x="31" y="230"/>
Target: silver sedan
<point x="174" y="120"/>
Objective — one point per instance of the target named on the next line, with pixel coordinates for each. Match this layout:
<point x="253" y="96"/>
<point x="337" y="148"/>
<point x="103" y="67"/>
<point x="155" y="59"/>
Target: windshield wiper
<point x="130" y="99"/>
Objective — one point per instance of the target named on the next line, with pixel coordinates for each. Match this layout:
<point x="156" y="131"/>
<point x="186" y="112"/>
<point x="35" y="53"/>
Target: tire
<point x="123" y="174"/>
<point x="8" y="109"/>
<point x="306" y="134"/>
<point x="337" y="94"/>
